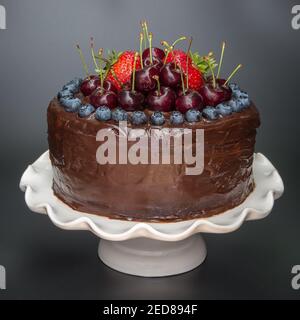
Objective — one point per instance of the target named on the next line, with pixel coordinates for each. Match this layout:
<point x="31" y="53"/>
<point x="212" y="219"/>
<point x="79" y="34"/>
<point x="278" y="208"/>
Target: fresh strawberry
<point x="121" y="68"/>
<point x="195" y="78"/>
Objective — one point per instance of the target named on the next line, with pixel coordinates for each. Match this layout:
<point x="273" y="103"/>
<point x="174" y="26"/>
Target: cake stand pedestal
<point x="151" y="249"/>
<point x="153" y="258"/>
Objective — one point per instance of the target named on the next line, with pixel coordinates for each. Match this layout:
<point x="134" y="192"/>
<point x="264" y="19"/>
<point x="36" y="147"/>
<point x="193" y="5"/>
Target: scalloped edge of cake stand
<point x="36" y="182"/>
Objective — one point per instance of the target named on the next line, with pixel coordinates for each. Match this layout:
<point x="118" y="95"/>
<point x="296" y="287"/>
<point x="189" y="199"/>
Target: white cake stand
<point x="150" y="249"/>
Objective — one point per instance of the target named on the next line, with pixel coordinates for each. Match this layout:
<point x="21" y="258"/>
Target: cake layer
<point x="152" y="192"/>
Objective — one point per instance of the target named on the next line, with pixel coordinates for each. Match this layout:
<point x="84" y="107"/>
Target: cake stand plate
<point x="150" y="249"/>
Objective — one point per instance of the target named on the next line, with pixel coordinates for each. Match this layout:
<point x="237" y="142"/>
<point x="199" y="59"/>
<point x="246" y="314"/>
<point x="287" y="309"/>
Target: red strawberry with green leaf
<point x="179" y="57"/>
<point x="120" y="68"/>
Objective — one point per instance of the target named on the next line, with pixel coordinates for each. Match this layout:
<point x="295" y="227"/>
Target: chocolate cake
<point x="144" y="91"/>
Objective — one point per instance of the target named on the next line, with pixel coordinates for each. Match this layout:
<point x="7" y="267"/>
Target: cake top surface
<point x="154" y="86"/>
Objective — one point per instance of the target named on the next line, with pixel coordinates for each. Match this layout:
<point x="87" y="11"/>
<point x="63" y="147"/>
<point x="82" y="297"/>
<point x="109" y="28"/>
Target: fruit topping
<point x="224" y="109"/>
<point x="119" y="114"/>
<point x="176" y="118"/>
<point x="210" y="113"/>
<point x="85" y="110"/>
<point x="121" y="67"/>
<point x="138" y="118"/>
<point x="162" y="99"/>
<point x="193" y="115"/>
<point x="157" y="118"/>
<point x="130" y="99"/>
<point x="71" y="105"/>
<point x="103" y="113"/>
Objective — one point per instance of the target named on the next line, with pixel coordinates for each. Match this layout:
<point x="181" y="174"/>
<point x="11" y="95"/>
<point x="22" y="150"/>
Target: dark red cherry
<point x="130" y="100"/>
<point x="104" y="98"/>
<point x="109" y="86"/>
<point x="219" y="81"/>
<point x="144" y="80"/>
<point x="212" y="96"/>
<point x="170" y="76"/>
<point x="162" y="100"/>
<point x="89" y="85"/>
<point x="190" y="100"/>
<point x="158" y="56"/>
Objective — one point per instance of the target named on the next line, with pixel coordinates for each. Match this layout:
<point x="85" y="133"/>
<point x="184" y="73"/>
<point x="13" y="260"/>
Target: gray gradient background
<point x="37" y="57"/>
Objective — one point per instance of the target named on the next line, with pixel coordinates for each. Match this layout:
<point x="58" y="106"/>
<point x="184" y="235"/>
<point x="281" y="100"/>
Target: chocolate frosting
<point x="152" y="192"/>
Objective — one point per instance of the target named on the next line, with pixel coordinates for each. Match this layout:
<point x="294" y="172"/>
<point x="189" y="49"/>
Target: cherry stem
<point x="221" y="59"/>
<point x="171" y="48"/>
<point x="168" y="49"/>
<point x="133" y="73"/>
<point x="141" y="48"/>
<point x="232" y="74"/>
<point x="144" y="33"/>
<point x="98" y="69"/>
<point x="177" y="41"/>
<point x="93" y="53"/>
<point x="182" y="80"/>
<point x="187" y="62"/>
<point x="212" y="71"/>
<point x="150" y="37"/>
<point x="146" y="29"/>
<point x="85" y="67"/>
<point x="158" y="84"/>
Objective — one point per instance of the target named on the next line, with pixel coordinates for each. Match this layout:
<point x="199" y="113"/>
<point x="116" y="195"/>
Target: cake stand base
<point x="153" y="258"/>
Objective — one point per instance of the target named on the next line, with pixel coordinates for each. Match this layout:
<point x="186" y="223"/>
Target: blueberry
<point x="119" y="114"/>
<point x="193" y="115"/>
<point x="176" y="117"/>
<point x="234" y="87"/>
<point x="238" y="105"/>
<point x="65" y="94"/>
<point x="210" y="113"/>
<point x="224" y="109"/>
<point x="138" y="118"/>
<point x="103" y="113"/>
<point x="85" y="110"/>
<point x="71" y="105"/>
<point x="239" y="94"/>
<point x="157" y="118"/>
<point x="77" y="81"/>
<point x="234" y="105"/>
<point x="73" y="85"/>
<point x="244" y="102"/>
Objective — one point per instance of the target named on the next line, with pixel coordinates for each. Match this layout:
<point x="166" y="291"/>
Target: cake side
<point x="152" y="192"/>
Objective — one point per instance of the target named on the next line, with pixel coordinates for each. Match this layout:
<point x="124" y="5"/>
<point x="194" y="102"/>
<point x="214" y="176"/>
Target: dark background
<point x="37" y="57"/>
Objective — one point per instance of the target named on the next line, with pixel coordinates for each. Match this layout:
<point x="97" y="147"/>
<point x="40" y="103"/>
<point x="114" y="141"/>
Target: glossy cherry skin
<point x="109" y="86"/>
<point x="189" y="100"/>
<point x="214" y="96"/>
<point x="104" y="98"/>
<point x="144" y="80"/>
<point x="219" y="81"/>
<point x="89" y="85"/>
<point x="130" y="100"/>
<point x="158" y="56"/>
<point x="170" y="76"/>
<point x="161" y="101"/>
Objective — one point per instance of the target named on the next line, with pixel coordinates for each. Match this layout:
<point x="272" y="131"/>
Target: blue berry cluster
<point x="67" y="98"/>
